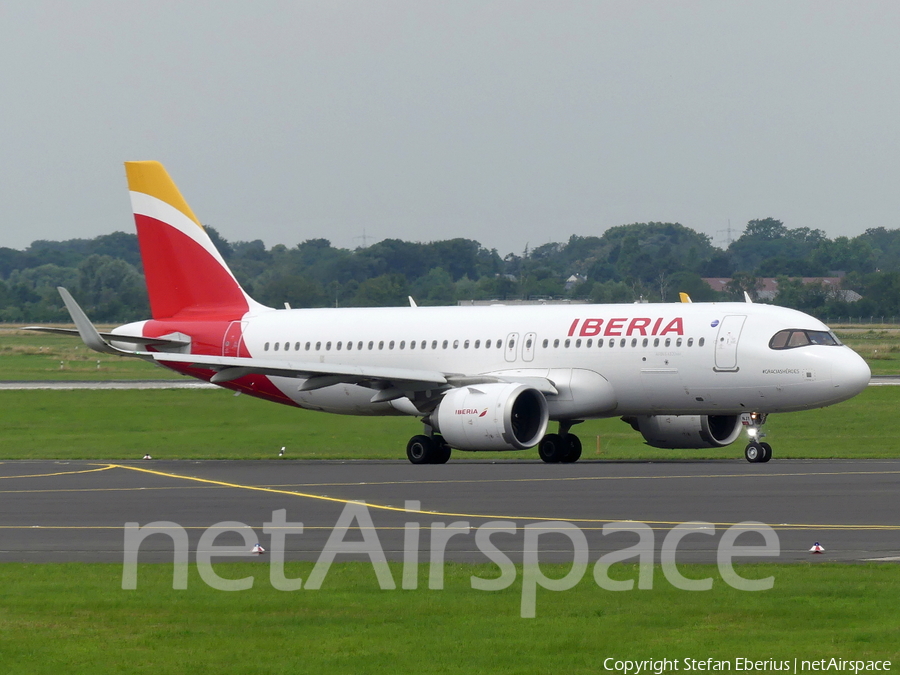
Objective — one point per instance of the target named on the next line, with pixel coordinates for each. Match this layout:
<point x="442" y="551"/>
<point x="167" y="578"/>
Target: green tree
<point x="111" y="290"/>
<point x="387" y="290"/>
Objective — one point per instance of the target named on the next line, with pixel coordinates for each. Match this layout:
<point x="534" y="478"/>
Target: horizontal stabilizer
<point x="133" y="339"/>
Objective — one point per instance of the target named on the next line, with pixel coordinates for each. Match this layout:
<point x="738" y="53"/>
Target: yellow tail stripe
<point x="151" y="178"/>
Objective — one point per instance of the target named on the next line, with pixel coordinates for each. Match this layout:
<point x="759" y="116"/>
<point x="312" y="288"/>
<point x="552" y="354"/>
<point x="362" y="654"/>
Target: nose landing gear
<point x="756" y="450"/>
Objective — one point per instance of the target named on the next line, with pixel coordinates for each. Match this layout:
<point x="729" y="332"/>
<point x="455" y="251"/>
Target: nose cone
<point x="850" y="374"/>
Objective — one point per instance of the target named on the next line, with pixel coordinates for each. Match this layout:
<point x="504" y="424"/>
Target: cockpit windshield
<point x="789" y="339"/>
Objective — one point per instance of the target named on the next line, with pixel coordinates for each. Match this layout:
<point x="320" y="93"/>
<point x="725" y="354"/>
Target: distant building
<point x="769" y="287"/>
<point x="574" y="280"/>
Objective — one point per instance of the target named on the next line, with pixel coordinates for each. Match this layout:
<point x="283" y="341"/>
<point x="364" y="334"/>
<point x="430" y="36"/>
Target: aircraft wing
<point x="232" y="367"/>
<point x="390" y="382"/>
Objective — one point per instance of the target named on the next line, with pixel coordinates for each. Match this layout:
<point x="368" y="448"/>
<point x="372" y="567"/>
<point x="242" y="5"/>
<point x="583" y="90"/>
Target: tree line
<point x="628" y="263"/>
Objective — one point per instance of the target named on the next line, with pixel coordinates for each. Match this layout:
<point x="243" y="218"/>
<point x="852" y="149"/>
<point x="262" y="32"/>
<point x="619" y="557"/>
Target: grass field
<point x="215" y="424"/>
<point x="75" y="618"/>
<point x="26" y="355"/>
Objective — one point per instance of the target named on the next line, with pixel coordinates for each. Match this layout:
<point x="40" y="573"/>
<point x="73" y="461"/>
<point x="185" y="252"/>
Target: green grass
<point x="74" y="618"/>
<point x="214" y="424"/>
<point x="25" y="355"/>
<point x="879" y="346"/>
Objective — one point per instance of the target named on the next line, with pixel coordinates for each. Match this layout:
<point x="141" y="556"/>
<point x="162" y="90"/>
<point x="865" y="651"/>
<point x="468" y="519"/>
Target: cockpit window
<point x="788" y="339"/>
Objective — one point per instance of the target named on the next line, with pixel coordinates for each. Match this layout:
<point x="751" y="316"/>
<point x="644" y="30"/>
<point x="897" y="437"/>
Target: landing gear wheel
<point x="551" y="449"/>
<point x="421" y="450"/>
<point x="572" y="446"/>
<point x="441" y="451"/>
<point x="767" y="452"/>
<point x="754" y="452"/>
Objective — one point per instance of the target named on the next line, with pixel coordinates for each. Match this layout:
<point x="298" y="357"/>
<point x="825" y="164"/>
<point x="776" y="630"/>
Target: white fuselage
<point x="605" y="360"/>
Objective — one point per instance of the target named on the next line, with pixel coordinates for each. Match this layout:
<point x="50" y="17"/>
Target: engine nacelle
<point x="687" y="431"/>
<point x="503" y="416"/>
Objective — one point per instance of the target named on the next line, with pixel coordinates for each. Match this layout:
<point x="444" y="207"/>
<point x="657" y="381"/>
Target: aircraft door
<point x="528" y="346"/>
<point x="727" y="342"/>
<point x="234" y="336"/>
<point x="512" y="346"/>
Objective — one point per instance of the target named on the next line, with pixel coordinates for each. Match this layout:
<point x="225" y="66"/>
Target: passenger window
<point x="402" y="344"/>
<point x="567" y="343"/>
<point x="412" y="344"/>
<point x="456" y="344"/>
<point x="339" y="344"/>
<point x="578" y="342"/>
<point x="424" y="344"/>
<point x="434" y="344"/>
<point x="359" y="345"/>
<point x="296" y="346"/>
<point x="590" y="342"/>
<point x="381" y="344"/>
<point x="307" y="346"/>
<point x="668" y="341"/>
<point x="622" y="342"/>
<point x="371" y="344"/>
<point x="645" y="342"/>
<point x="349" y="345"/>
<point x="318" y="346"/>
<point x="600" y="342"/>
<point x="555" y="344"/>
<point x="612" y="343"/>
<point x="477" y="344"/>
<point x="328" y="346"/>
<point x="656" y="342"/>
<point x="391" y="345"/>
<point x="487" y="345"/>
<point x="701" y="341"/>
<point x="690" y="342"/>
<point x="678" y="342"/>
<point x="528" y="344"/>
<point x="277" y="345"/>
<point x="500" y="344"/>
<point x="466" y="344"/>
<point x="266" y="347"/>
<point x="634" y="342"/>
<point x="444" y="344"/>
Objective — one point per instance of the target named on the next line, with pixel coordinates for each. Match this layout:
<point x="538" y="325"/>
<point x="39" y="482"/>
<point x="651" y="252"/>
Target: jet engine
<point x="502" y="416"/>
<point x="687" y="431"/>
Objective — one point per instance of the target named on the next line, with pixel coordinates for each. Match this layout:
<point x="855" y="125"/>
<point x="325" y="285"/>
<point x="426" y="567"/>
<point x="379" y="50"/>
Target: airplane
<point x="684" y="375"/>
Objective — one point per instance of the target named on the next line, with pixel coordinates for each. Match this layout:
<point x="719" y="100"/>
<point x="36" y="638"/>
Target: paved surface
<point x="76" y="511"/>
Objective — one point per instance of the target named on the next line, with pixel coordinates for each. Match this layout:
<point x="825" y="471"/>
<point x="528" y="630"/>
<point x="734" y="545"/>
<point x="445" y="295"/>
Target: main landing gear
<point x="427" y="449"/>
<point x="562" y="447"/>
<point x="756" y="450"/>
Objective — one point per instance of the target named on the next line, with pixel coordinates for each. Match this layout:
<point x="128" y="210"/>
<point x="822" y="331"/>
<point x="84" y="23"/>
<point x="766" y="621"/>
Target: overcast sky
<point x="510" y="123"/>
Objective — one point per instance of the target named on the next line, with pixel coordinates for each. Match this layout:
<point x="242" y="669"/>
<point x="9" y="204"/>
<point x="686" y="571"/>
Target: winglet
<point x="747" y="298"/>
<point x="685" y="297"/>
<point x="86" y="329"/>
<point x="412" y="303"/>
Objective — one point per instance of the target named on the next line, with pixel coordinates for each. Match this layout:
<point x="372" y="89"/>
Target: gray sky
<point x="505" y="122"/>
